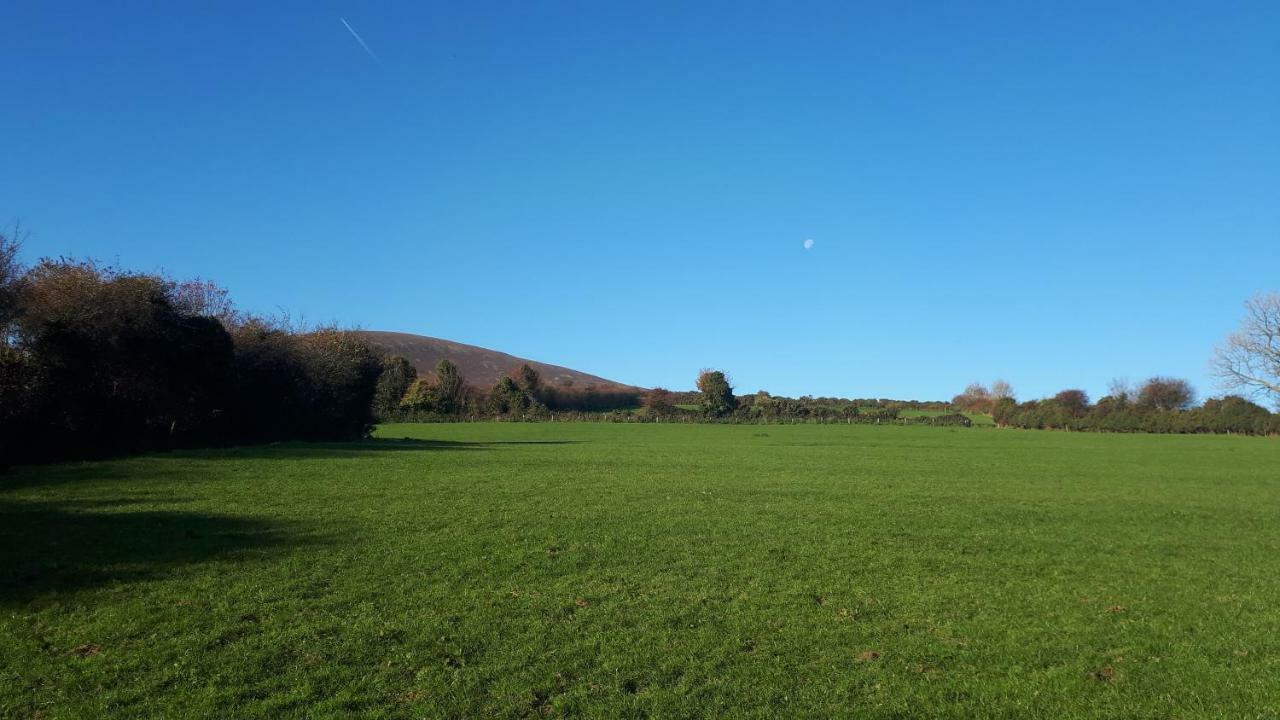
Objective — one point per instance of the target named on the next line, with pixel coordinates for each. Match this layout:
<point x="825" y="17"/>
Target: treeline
<point x="807" y="404"/>
<point x="694" y="417"/>
<point x="1160" y="405"/>
<point x="98" y="361"/>
<point x="715" y="401"/>
<point x="402" y="396"/>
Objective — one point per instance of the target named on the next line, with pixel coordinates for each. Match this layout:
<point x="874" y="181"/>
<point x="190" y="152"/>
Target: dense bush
<point x="765" y="407"/>
<point x="659" y="402"/>
<point x="99" y="361"/>
<point x="1162" y="407"/>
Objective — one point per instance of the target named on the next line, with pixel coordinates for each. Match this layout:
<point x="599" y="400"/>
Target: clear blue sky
<point x="1054" y="193"/>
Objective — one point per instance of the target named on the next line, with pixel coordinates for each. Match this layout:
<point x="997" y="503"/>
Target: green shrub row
<point x="1231" y="414"/>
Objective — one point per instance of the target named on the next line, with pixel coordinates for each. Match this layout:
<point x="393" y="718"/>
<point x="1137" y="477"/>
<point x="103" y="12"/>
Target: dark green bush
<point x="97" y="361"/>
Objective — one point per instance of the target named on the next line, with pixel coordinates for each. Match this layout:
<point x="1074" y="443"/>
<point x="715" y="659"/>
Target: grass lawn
<point x="599" y="570"/>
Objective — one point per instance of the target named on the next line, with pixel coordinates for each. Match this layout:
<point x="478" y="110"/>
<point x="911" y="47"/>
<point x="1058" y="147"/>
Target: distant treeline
<point x="864" y="416"/>
<point x="762" y="403"/>
<point x="1159" y="405"/>
<point x="402" y="396"/>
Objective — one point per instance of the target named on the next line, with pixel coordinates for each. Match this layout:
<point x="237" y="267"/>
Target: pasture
<point x="597" y="570"/>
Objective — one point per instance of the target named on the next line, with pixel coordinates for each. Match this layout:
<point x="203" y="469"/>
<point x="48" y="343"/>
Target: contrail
<point x="360" y="40"/>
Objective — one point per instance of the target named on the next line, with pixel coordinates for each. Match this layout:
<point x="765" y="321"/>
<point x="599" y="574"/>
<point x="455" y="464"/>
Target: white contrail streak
<point x="360" y="40"/>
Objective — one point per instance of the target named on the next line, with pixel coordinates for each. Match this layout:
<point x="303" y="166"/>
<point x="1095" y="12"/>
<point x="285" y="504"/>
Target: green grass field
<point x="602" y="570"/>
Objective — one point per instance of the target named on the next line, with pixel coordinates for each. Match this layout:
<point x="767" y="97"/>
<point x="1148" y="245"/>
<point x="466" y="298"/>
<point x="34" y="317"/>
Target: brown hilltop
<point x="480" y="366"/>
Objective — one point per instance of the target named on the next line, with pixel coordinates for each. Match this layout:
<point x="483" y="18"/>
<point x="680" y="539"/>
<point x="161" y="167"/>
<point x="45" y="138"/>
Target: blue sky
<point x="1055" y="193"/>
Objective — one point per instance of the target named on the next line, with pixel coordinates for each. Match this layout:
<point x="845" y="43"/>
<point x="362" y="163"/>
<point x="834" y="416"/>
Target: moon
<point x="808" y="244"/>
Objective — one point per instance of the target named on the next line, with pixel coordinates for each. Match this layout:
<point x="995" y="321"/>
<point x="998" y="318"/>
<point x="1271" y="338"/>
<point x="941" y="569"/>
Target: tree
<point x="1074" y="401"/>
<point x="717" y="398"/>
<point x="1249" y="359"/>
<point x="1121" y="391"/>
<point x="95" y="360"/>
<point x="1001" y="390"/>
<point x="11" y="273"/>
<point x="1002" y="410"/>
<point x="419" y="396"/>
<point x="341" y="372"/>
<point x="507" y="397"/>
<point x="658" y="401"/>
<point x="975" y="398"/>
<point x="1164" y="393"/>
<point x="113" y="363"/>
<point x="763" y="405"/>
<point x="397" y="375"/>
<point x="1233" y="414"/>
<point x="17" y="373"/>
<point x="529" y="380"/>
<point x="446" y="393"/>
<point x="205" y="299"/>
<point x="450" y="387"/>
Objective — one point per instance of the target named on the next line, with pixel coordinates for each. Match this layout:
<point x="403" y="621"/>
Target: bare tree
<point x="1249" y="359"/>
<point x="1001" y="389"/>
<point x="975" y="398"/>
<point x="1121" y="389"/>
<point x="11" y="271"/>
<point x="205" y="298"/>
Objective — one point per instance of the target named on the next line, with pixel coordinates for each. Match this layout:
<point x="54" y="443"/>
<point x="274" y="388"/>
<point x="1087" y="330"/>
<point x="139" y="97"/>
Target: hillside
<point x="480" y="366"/>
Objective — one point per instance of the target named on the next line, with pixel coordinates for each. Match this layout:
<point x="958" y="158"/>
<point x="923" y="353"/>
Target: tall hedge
<point x="97" y="361"/>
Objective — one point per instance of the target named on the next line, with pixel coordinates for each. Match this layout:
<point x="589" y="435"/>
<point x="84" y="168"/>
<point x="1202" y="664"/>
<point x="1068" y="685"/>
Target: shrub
<point x="659" y="402"/>
<point x="99" y="361"/>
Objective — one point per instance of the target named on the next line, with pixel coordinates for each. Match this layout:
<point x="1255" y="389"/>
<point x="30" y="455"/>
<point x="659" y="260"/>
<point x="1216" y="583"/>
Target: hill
<point x="480" y="366"/>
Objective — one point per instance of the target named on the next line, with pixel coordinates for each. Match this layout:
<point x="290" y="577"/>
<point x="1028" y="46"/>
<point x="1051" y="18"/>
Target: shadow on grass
<point x="79" y="471"/>
<point x="73" y="472"/>
<point x="311" y="450"/>
<point x="66" y="547"/>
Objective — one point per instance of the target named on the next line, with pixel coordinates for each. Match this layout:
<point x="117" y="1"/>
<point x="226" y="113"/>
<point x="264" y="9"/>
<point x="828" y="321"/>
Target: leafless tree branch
<point x="1249" y="359"/>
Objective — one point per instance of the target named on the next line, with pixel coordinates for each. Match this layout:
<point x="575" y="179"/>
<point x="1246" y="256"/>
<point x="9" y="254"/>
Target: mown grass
<point x="609" y="570"/>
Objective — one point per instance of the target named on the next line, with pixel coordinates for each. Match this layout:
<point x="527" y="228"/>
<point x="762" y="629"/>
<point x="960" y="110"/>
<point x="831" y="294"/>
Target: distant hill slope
<point x="481" y="367"/>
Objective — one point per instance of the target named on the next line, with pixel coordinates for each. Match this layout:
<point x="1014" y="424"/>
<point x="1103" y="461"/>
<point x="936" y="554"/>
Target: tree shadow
<point x="78" y="471"/>
<point x="64" y="473"/>
<point x="65" y="547"/>
<point x="107" y="469"/>
<point x="411" y="443"/>
<point x="311" y="450"/>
